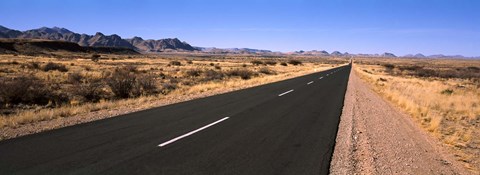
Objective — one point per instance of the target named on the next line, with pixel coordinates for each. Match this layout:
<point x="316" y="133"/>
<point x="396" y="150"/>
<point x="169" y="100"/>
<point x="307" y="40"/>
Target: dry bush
<point x="267" y="71"/>
<point x="389" y="66"/>
<point x="32" y="65"/>
<point x="211" y="75"/>
<point x="283" y="64"/>
<point x="270" y="62"/>
<point x="175" y="63"/>
<point x="122" y="83"/>
<point x="125" y="84"/>
<point x="90" y="90"/>
<point x="256" y="62"/>
<point x="23" y="90"/>
<point x="74" y="78"/>
<point x="147" y="84"/>
<point x="130" y="68"/>
<point x="242" y="73"/>
<point x="194" y="72"/>
<point x="96" y="57"/>
<point x="54" y="66"/>
<point x="432" y="71"/>
<point x="295" y="62"/>
<point x="168" y="87"/>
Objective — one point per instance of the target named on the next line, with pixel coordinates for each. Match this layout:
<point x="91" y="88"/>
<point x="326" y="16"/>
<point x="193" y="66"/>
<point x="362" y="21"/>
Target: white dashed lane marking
<point x="192" y="132"/>
<point x="285" y="93"/>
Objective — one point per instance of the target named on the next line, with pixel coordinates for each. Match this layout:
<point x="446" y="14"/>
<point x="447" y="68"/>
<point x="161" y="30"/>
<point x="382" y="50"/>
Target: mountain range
<point x="97" y="40"/>
<point x="233" y="50"/>
<point x="170" y="44"/>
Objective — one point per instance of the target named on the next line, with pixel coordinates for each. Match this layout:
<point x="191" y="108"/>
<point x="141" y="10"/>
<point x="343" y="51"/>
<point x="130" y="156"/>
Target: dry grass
<point x="449" y="108"/>
<point x="194" y="77"/>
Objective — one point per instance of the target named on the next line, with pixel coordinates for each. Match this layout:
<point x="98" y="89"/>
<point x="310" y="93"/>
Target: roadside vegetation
<point x="42" y="88"/>
<point x="443" y="96"/>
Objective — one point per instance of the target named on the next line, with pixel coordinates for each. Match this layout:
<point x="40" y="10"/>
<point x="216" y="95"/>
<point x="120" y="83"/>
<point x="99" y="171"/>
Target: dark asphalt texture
<point x="264" y="134"/>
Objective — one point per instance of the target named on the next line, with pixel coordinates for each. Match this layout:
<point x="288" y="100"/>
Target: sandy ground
<point x="376" y="138"/>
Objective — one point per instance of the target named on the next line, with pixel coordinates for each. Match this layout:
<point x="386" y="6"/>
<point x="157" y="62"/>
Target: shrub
<point x="74" y="78"/>
<point x="256" y="62"/>
<point x="91" y="90"/>
<point x="122" y="83"/>
<point x="267" y="71"/>
<point x="242" y="73"/>
<point x="389" y="66"/>
<point x="95" y="57"/>
<point x="447" y="92"/>
<point x="294" y="62"/>
<point x="283" y="64"/>
<point x="473" y="68"/>
<point x="23" y="90"/>
<point x="54" y="66"/>
<point x="213" y="75"/>
<point x="218" y="67"/>
<point x="194" y="72"/>
<point x="189" y="62"/>
<point x="147" y="84"/>
<point x="131" y="68"/>
<point x="175" y="63"/>
<point x="34" y="65"/>
<point x="125" y="84"/>
<point x="270" y="62"/>
<point x="212" y="64"/>
<point x="426" y="73"/>
<point x="410" y="68"/>
<point x="168" y="87"/>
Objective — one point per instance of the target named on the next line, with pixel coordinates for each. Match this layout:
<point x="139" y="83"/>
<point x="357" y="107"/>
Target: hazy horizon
<point x="401" y="27"/>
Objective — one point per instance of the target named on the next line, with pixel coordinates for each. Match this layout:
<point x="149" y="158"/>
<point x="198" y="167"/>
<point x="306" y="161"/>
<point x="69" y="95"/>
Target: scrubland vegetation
<point x="443" y="96"/>
<point x="39" y="88"/>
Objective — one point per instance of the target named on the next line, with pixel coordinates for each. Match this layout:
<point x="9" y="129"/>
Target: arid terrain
<point x="441" y="96"/>
<point x="46" y="92"/>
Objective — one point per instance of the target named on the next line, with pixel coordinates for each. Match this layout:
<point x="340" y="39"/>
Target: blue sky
<point x="354" y="26"/>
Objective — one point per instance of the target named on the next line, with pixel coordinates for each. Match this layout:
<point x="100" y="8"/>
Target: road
<point x="288" y="127"/>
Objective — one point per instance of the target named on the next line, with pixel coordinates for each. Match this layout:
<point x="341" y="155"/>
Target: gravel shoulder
<point x="375" y="137"/>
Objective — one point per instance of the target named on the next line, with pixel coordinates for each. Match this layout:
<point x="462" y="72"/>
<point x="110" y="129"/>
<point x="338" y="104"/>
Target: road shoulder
<point x="376" y="138"/>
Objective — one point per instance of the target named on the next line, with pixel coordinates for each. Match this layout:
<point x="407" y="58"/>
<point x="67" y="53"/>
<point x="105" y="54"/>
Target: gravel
<point x="375" y="137"/>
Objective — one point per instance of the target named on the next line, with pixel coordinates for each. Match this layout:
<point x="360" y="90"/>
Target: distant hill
<point x="159" y="45"/>
<point x="391" y="55"/>
<point x="37" y="46"/>
<point x="233" y="50"/>
<point x="97" y="40"/>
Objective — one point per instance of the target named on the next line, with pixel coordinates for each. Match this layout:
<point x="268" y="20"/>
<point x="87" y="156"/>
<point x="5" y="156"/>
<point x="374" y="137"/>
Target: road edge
<point x="342" y="161"/>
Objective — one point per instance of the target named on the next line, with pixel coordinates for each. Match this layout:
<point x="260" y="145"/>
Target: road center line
<point x="285" y="93"/>
<point x="192" y="132"/>
<point x="310" y="82"/>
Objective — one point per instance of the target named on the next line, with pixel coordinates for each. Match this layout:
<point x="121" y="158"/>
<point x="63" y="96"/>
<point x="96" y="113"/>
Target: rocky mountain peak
<point x="97" y="40"/>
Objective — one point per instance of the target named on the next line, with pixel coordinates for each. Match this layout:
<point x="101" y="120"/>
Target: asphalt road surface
<point x="288" y="127"/>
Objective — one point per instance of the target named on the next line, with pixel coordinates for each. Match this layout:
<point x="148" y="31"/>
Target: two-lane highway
<point x="288" y="127"/>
